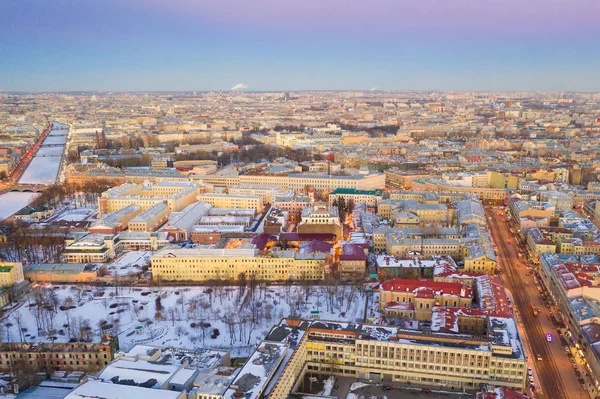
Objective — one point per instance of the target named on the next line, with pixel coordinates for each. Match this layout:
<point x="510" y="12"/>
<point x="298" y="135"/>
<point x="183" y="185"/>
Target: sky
<point x="171" y="45"/>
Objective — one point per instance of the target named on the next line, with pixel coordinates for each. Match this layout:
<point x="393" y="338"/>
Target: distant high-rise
<point x="286" y="96"/>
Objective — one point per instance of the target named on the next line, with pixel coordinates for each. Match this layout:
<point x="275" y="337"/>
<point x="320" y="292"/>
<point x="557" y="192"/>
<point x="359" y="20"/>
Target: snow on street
<point x="13" y="202"/>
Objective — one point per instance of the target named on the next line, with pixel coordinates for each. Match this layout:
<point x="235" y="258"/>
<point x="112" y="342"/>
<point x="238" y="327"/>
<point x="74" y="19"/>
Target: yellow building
<point x="176" y="194"/>
<point x="387" y="354"/>
<point x="201" y="264"/>
<point x="267" y="193"/>
<point x="11" y="273"/>
<point x="539" y="244"/>
<point x="151" y="219"/>
<point x="480" y="259"/>
<point x="232" y="201"/>
<point x="321" y="218"/>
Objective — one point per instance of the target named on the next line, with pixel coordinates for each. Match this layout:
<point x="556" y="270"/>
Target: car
<point x="425" y="390"/>
<point x="566" y="348"/>
<point x="572" y="360"/>
<point x="574" y="367"/>
<point x="386" y="387"/>
<point x="539" y="357"/>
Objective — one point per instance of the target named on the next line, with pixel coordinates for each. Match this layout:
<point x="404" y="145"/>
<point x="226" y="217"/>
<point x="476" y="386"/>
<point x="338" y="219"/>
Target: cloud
<point x="373" y="88"/>
<point x="239" y="86"/>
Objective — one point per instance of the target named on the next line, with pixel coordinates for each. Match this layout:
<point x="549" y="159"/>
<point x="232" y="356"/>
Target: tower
<point x="97" y="140"/>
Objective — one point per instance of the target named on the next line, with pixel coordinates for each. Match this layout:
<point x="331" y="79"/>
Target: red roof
<point x="316" y="246"/>
<point x="307" y="236"/>
<point x="353" y="252"/>
<point x="398" y="284"/>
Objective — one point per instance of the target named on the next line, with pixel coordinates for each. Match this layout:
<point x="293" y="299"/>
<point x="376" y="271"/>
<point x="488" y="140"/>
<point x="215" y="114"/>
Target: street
<point x="554" y="375"/>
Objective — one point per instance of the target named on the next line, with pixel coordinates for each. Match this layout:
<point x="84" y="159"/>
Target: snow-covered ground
<point x="130" y="263"/>
<point x="52" y="139"/>
<point x="73" y="215"/>
<point x="240" y="319"/>
<point x="44" y="169"/>
<point x="50" y="151"/>
<point x="13" y="202"/>
<point x="41" y="170"/>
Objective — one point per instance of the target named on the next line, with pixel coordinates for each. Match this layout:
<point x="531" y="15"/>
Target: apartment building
<point x="49" y="357"/>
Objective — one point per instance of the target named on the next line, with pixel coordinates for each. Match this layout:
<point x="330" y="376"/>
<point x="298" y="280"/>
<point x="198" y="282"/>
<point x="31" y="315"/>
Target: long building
<point x="395" y="355"/>
<point x="203" y="264"/>
<point x="46" y="356"/>
<point x="176" y="194"/>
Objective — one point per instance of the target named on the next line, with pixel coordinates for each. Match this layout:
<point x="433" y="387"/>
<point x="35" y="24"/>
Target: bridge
<point x="28" y="188"/>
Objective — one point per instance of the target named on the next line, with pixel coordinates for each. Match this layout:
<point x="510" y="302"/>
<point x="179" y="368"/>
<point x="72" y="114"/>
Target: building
<point x="108" y="390"/>
<point x="393" y="355"/>
<point x="11" y="273"/>
<point x="366" y="197"/>
<point x="235" y="201"/>
<point x="117" y="221"/>
<point x="150" y="219"/>
<point x="176" y="194"/>
<point x="267" y="193"/>
<point x="292" y="203"/>
<point x="353" y="260"/>
<point x="62" y="272"/>
<point x="34" y="212"/>
<point x="202" y="264"/>
<point x="179" y="225"/>
<point x="538" y="243"/>
<point x="69" y="356"/>
<point x="211" y="234"/>
<point x="362" y="180"/>
<point x="91" y="248"/>
<point x="321" y="218"/>
<point x="422" y="296"/>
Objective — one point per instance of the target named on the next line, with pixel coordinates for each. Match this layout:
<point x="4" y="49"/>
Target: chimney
<point x="463" y="292"/>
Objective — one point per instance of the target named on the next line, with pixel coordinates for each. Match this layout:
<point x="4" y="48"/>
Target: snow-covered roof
<point x="102" y="390"/>
<point x="258" y="370"/>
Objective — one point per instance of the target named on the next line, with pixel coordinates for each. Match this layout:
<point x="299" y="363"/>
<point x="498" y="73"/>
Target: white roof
<point x="103" y="390"/>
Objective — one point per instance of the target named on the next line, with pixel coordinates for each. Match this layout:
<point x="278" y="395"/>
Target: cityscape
<point x="314" y="234"/>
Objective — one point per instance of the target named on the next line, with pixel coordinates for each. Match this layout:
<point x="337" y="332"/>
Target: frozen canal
<point x="10" y="203"/>
<point x="44" y="167"/>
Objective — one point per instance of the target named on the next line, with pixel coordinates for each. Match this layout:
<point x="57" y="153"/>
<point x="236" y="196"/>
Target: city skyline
<point x="330" y="45"/>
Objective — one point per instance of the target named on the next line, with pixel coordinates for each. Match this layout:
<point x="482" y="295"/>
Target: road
<point x="554" y="371"/>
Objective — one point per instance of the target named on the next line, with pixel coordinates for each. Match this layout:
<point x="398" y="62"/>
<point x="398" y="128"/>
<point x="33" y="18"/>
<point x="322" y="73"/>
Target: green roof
<point x="377" y="193"/>
<point x="5" y="269"/>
